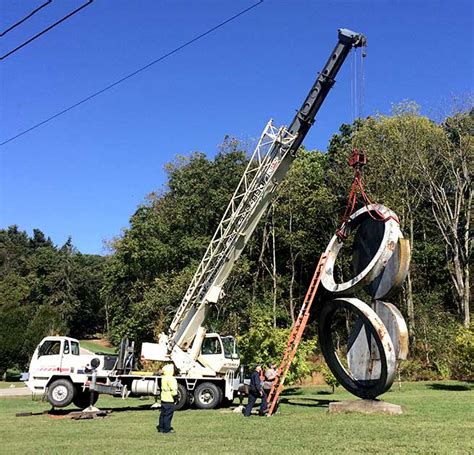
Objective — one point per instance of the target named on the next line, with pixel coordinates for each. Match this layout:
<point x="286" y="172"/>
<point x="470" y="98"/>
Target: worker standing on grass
<point x="256" y="391"/>
<point x="270" y="375"/>
<point x="169" y="390"/>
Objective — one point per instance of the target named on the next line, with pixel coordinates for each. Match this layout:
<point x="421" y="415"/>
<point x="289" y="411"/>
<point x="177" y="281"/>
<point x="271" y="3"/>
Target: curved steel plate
<point x="396" y="327"/>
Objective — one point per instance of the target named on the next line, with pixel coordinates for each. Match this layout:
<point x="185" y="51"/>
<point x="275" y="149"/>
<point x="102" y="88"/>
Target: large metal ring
<point x="388" y="243"/>
<point x="373" y="333"/>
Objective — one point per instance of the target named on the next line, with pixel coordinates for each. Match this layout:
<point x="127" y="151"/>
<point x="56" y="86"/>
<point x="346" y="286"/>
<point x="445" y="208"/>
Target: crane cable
<point x="357" y="159"/>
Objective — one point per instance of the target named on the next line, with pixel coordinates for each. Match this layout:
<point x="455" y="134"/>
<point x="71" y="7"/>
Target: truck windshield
<point x="211" y="346"/>
<point x="230" y="346"/>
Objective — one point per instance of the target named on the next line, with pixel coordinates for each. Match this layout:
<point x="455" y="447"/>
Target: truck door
<point x="49" y="357"/>
<point x="70" y="355"/>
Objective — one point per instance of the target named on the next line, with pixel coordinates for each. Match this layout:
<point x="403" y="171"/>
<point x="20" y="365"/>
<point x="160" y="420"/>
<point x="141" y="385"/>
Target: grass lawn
<point x="438" y="418"/>
<point x="95" y="347"/>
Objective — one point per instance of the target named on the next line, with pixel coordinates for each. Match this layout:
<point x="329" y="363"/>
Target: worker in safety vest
<point x="169" y="390"/>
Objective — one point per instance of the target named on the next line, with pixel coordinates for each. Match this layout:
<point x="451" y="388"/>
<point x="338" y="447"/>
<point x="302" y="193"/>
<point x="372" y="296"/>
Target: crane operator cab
<point x="219" y="353"/>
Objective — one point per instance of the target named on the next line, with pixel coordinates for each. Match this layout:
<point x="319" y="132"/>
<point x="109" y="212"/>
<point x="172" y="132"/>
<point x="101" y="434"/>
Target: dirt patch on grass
<point x="101" y="342"/>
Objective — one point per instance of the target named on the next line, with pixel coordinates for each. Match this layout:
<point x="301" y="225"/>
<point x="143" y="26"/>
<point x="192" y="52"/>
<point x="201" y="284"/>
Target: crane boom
<point x="268" y="165"/>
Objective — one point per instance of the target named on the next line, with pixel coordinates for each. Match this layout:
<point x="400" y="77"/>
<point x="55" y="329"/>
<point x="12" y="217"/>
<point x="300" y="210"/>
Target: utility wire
<point x="25" y="18"/>
<point x="46" y="30"/>
<point x="108" y="87"/>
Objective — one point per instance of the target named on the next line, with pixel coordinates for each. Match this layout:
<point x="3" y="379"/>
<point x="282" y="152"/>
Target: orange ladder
<point x="295" y="337"/>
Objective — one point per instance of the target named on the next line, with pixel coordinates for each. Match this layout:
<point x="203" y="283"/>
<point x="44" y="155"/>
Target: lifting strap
<point x="295" y="337"/>
<point x="357" y="161"/>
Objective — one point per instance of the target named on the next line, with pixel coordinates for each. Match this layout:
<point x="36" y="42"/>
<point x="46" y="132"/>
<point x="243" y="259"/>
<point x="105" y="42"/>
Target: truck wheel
<point x="82" y="399"/>
<point x="182" y="399"/>
<point x="61" y="392"/>
<point x="207" y="395"/>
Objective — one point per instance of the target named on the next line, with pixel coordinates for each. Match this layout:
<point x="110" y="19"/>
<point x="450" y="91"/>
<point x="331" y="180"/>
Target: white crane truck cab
<point x="219" y="353"/>
<point x="59" y="371"/>
<point x="216" y="355"/>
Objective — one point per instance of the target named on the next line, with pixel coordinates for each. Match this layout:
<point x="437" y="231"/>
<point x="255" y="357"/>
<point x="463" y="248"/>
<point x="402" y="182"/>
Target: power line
<point x="108" y="87"/>
<point x="46" y="30"/>
<point x="25" y="18"/>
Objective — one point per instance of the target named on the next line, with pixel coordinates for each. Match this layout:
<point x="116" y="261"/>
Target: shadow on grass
<point x="451" y="387"/>
<point x="315" y="403"/>
<point x="293" y="391"/>
<point x="64" y="412"/>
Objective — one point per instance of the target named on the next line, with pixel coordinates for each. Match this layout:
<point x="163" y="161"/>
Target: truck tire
<point x="61" y="392"/>
<point x="182" y="399"/>
<point x="82" y="399"/>
<point x="207" y="395"/>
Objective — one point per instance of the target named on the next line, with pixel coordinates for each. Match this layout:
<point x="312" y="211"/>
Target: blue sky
<point x="84" y="173"/>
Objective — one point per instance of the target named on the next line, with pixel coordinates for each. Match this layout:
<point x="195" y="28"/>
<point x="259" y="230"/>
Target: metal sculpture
<point x="362" y="344"/>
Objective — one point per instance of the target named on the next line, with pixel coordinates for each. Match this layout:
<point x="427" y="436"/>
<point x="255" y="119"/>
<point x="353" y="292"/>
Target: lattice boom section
<point x="272" y="146"/>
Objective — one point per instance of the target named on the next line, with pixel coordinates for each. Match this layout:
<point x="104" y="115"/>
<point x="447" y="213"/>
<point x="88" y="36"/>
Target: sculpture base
<point x="365" y="407"/>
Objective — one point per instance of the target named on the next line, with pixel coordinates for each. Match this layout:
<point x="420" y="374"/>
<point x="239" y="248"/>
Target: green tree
<point x="168" y="234"/>
<point x="265" y="344"/>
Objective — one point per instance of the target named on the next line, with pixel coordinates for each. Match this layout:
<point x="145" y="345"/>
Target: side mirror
<point x="235" y="356"/>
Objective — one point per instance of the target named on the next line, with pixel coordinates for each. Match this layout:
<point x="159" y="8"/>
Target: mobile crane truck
<point x="208" y="364"/>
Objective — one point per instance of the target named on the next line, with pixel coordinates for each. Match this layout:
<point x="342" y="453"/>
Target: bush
<point x="264" y="344"/>
<point x="415" y="370"/>
<point x="462" y="364"/>
<point x="443" y="348"/>
<point x="327" y="375"/>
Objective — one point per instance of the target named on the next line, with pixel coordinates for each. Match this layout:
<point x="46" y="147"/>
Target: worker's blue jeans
<point x="166" y="414"/>
<point x="252" y="399"/>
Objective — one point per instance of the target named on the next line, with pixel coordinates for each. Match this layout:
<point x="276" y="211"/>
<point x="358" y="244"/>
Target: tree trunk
<point x="260" y="262"/>
<point x="410" y="306"/>
<point x="467" y="297"/>
<point x="292" y="264"/>
<point x="274" y="270"/>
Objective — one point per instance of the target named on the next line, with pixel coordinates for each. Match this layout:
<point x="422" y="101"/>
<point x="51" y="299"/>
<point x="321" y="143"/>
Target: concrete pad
<point x="92" y="409"/>
<point x="365" y="407"/>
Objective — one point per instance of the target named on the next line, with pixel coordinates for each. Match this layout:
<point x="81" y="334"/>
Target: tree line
<point x="419" y="168"/>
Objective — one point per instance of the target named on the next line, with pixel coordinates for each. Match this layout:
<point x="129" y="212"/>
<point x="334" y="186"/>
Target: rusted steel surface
<point x="396" y="327"/>
<point x="383" y="250"/>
